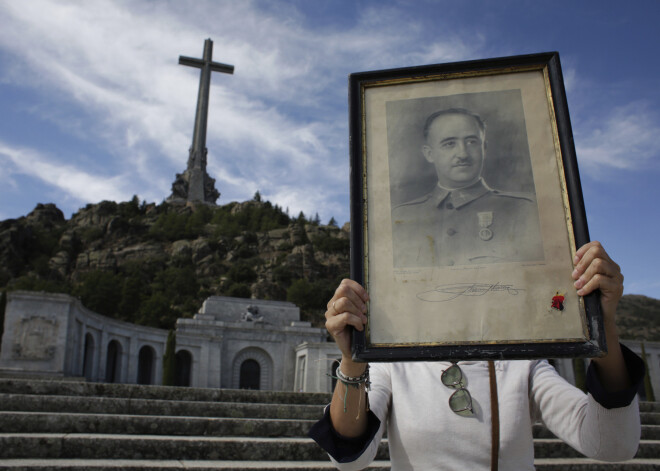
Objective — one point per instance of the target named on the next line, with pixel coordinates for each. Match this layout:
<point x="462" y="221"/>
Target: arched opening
<point x="88" y="357"/>
<point x="182" y="368"/>
<point x="113" y="362"/>
<point x="146" y="365"/>
<point x="300" y="373"/>
<point x="250" y="374"/>
<point x="260" y="365"/>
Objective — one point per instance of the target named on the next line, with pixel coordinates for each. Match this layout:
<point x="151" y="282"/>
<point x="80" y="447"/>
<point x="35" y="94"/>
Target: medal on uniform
<point x="485" y="220"/>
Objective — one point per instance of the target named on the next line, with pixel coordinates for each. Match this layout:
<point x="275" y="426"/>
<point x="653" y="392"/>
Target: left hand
<point x="594" y="269"/>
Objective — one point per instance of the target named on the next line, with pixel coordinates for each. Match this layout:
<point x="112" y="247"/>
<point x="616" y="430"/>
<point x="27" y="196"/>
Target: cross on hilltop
<point x="194" y="184"/>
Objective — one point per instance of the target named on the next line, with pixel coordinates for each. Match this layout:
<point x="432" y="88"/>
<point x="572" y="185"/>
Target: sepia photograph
<point x="466" y="213"/>
<point x="481" y="205"/>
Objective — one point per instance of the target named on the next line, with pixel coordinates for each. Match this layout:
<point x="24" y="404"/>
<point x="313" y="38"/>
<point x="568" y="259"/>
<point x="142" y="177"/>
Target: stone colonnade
<point x="230" y="343"/>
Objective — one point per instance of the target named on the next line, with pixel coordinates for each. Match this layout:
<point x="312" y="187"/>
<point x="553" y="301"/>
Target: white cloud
<point x="108" y="74"/>
<point x="76" y="183"/>
<point x="624" y="139"/>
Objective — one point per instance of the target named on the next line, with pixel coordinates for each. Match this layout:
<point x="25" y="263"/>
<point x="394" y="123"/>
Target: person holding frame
<point x="476" y="414"/>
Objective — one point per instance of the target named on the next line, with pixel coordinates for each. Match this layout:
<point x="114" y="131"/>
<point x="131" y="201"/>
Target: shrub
<point x="242" y="273"/>
<point x="91" y="233"/>
<point x="32" y="283"/>
<point x="170" y="227"/>
<point x="133" y="290"/>
<point x="329" y="244"/>
<point x="282" y="274"/>
<point x="255" y="217"/>
<point x="156" y="311"/>
<point x="239" y="290"/>
<point x="131" y="208"/>
<point x="101" y="292"/>
<point x="308" y="295"/>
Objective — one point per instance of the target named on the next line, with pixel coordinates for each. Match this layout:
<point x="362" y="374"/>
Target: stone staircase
<point x="65" y="425"/>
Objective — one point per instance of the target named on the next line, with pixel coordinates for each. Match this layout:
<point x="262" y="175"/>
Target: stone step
<point x="29" y="375"/>
<point x="153" y="447"/>
<point x="172" y="393"/>
<point x="650" y="418"/>
<point x="649" y="406"/>
<point x="57" y="422"/>
<point x="585" y="464"/>
<point x="546" y="464"/>
<point x="649" y="432"/>
<point x="71" y="387"/>
<point x="555" y="448"/>
<point x="133" y="406"/>
<point x="108" y="405"/>
<point x="142" y="465"/>
<point x="110" y="446"/>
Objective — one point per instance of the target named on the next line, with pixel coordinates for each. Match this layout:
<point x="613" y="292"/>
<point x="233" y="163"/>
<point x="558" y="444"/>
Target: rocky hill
<point x="639" y="317"/>
<point x="151" y="264"/>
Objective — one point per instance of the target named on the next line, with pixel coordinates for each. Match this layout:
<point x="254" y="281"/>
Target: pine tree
<point x="648" y="387"/>
<point x="580" y="373"/>
<point x="169" y="360"/>
<point x="3" y="305"/>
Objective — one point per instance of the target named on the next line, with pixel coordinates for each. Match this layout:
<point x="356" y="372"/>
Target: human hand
<point x="346" y="308"/>
<point x="594" y="269"/>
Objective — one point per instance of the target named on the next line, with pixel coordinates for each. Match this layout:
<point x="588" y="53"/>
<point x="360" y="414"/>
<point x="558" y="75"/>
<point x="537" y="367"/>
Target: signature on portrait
<point x="442" y="293"/>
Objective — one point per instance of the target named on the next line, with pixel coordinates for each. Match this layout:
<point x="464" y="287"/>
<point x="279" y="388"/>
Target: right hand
<point x="347" y="307"/>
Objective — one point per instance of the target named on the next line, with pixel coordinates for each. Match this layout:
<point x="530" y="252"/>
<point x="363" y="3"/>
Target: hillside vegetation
<point x="150" y="264"/>
<point x="638" y="318"/>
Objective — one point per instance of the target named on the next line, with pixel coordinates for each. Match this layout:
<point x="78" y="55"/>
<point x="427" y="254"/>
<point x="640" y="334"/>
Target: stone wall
<point x="55" y="335"/>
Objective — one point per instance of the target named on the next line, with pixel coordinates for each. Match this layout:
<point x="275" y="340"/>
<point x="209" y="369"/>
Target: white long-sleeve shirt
<point x="424" y="434"/>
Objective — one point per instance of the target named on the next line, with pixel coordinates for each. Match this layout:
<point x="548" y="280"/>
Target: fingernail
<point x="575" y="273"/>
<point x="576" y="259"/>
<point x="578" y="283"/>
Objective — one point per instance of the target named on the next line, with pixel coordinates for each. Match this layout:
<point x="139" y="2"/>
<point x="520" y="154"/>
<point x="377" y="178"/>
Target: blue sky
<point x="95" y="106"/>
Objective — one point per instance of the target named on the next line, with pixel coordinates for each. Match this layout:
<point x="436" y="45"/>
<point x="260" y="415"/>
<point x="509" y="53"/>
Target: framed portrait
<point x="466" y="212"/>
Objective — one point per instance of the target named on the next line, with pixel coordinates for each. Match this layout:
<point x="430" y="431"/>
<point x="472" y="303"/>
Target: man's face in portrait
<point x="455" y="145"/>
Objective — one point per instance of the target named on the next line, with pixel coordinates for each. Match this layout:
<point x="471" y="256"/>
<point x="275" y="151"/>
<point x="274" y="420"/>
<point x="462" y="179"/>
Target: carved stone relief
<point x="35" y="339"/>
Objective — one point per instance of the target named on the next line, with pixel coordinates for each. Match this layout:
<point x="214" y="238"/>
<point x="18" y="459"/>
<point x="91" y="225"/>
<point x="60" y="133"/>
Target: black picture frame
<point x="414" y="312"/>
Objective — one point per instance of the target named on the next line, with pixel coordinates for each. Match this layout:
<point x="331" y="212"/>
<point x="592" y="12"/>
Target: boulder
<point x="181" y="248"/>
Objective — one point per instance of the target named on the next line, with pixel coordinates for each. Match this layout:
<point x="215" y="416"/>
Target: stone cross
<point x="195" y="184"/>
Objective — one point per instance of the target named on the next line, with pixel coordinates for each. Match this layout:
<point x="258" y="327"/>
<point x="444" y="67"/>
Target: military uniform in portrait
<point x="467" y="226"/>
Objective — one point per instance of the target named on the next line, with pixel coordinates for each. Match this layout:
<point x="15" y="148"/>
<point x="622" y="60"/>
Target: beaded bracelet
<point x="363" y="378"/>
<point x="355" y="382"/>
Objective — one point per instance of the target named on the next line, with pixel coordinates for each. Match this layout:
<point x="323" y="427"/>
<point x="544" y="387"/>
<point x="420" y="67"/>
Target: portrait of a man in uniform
<point x="463" y="220"/>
